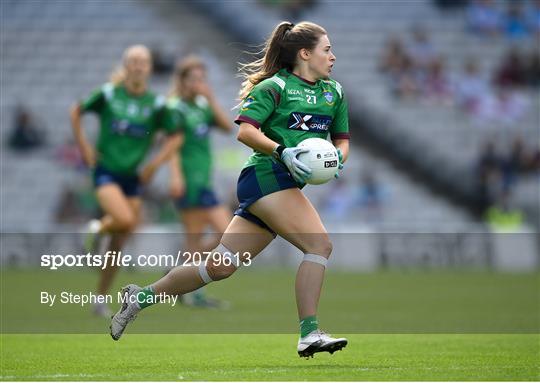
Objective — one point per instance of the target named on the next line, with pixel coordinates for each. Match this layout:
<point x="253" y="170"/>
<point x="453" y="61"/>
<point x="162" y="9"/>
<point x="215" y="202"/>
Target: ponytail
<point x="279" y="52"/>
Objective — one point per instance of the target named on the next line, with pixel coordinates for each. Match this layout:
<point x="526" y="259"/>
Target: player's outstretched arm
<point x="169" y="147"/>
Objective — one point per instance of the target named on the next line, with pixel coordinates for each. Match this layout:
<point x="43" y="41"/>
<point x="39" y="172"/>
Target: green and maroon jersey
<point x="289" y="109"/>
<point x="128" y="124"/>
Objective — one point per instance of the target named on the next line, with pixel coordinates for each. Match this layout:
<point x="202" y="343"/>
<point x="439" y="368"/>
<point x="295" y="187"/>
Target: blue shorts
<point x="200" y="197"/>
<point x="258" y="181"/>
<point x="129" y="184"/>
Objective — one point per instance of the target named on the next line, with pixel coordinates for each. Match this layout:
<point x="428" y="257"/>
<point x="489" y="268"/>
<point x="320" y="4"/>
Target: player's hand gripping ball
<point x="322" y="158"/>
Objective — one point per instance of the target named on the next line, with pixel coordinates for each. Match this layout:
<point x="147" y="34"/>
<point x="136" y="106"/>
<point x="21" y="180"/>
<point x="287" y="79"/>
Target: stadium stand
<point x="55" y="55"/>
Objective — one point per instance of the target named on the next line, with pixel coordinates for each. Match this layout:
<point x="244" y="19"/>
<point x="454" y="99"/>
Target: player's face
<point x="322" y="59"/>
<point x="138" y="66"/>
<point x="195" y="81"/>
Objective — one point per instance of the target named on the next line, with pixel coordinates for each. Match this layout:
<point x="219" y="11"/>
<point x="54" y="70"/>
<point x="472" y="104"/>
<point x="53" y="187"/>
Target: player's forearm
<point x="76" y="126"/>
<point x="175" y="166"/>
<point x="343" y="145"/>
<point x="255" y="139"/>
<point x="220" y="116"/>
<point x="170" y="146"/>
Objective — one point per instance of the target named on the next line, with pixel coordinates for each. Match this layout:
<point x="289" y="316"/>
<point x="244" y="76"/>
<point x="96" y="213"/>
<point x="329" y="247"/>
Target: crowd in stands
<point x="26" y="133"/>
<point x="416" y="70"/>
<point x="498" y="168"/>
<point x="515" y="19"/>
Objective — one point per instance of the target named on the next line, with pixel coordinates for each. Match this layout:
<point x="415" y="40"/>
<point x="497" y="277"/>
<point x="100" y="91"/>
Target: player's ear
<point x="304" y="54"/>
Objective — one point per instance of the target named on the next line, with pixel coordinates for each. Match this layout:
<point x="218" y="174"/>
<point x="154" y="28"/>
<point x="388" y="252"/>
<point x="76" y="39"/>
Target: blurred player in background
<point x="197" y="110"/>
<point x="287" y="97"/>
<point x="129" y="116"/>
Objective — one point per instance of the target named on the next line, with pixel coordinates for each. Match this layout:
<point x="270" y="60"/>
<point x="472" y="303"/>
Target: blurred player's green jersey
<point x="127" y="125"/>
<point x="195" y="119"/>
<point x="289" y="109"/>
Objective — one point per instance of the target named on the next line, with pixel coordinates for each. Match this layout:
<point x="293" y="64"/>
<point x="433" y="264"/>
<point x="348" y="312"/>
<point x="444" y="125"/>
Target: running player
<point x="191" y="168"/>
<point x="129" y="116"/>
<point x="287" y="97"/>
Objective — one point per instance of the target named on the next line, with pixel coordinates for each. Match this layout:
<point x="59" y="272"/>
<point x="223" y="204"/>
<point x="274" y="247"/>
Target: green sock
<point x="146" y="297"/>
<point x="308" y="325"/>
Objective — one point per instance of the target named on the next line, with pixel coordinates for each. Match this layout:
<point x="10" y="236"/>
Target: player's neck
<point x="305" y="74"/>
<point x="135" y="89"/>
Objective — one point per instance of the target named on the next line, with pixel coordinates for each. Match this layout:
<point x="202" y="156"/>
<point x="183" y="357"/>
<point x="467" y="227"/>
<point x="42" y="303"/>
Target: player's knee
<point x="217" y="272"/>
<point x="126" y="222"/>
<point x="321" y="246"/>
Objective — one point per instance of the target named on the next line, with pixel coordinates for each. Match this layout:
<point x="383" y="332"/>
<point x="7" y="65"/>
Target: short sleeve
<point x="340" y="125"/>
<point x="257" y="107"/>
<point x="94" y="102"/>
<point x="171" y="120"/>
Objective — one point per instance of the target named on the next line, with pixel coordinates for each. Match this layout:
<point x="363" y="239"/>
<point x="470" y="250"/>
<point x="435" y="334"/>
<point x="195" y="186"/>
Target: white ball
<point x="322" y="159"/>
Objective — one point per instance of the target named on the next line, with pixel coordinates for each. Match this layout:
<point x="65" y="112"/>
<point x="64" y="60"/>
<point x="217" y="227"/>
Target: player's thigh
<point x="291" y="215"/>
<point x="114" y="203"/>
<point x="246" y="237"/>
<point x="219" y="218"/>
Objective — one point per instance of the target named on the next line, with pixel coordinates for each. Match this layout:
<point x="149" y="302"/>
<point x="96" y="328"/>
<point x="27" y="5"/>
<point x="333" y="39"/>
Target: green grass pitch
<point x="268" y="357"/>
<point x="369" y="309"/>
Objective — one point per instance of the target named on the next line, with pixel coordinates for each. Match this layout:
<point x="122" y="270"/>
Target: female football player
<point x="129" y="116"/>
<point x="191" y="167"/>
<point x="287" y="97"/>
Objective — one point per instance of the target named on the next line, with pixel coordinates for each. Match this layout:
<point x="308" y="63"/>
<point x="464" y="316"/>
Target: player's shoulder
<point x="334" y="85"/>
<point x="108" y="90"/>
<point x="276" y="82"/>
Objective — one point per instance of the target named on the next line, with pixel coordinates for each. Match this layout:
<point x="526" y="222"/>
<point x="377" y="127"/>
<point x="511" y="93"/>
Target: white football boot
<point x="127" y="313"/>
<point x="319" y="341"/>
<point x="102" y="310"/>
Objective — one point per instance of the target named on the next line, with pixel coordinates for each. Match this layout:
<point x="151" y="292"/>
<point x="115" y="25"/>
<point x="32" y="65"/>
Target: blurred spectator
<point x="471" y="88"/>
<point x="483" y="17"/>
<point x="162" y="62"/>
<point x="450" y="4"/>
<point x="514" y="163"/>
<point x="405" y="83"/>
<point x="503" y="216"/>
<point x="504" y="107"/>
<point x="394" y="57"/>
<point x="398" y="66"/>
<point x="489" y="174"/>
<point x="295" y="9"/>
<point x="292" y="9"/>
<point x="420" y="50"/>
<point x="25" y="133"/>
<point x="515" y="24"/>
<point x="532" y="68"/>
<point x="533" y="17"/>
<point x="512" y="71"/>
<point x="437" y="87"/>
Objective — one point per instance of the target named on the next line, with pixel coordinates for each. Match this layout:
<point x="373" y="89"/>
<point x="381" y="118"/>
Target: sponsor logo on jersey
<point x="309" y="91"/>
<point x="247" y="103"/>
<point x="126" y="128"/>
<point x="202" y="130"/>
<point x="329" y="97"/>
<point x="309" y="122"/>
<point x="294" y="92"/>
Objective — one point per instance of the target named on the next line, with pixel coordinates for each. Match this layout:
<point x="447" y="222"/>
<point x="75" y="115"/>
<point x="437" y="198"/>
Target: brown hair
<point x="182" y="70"/>
<point x="280" y="51"/>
